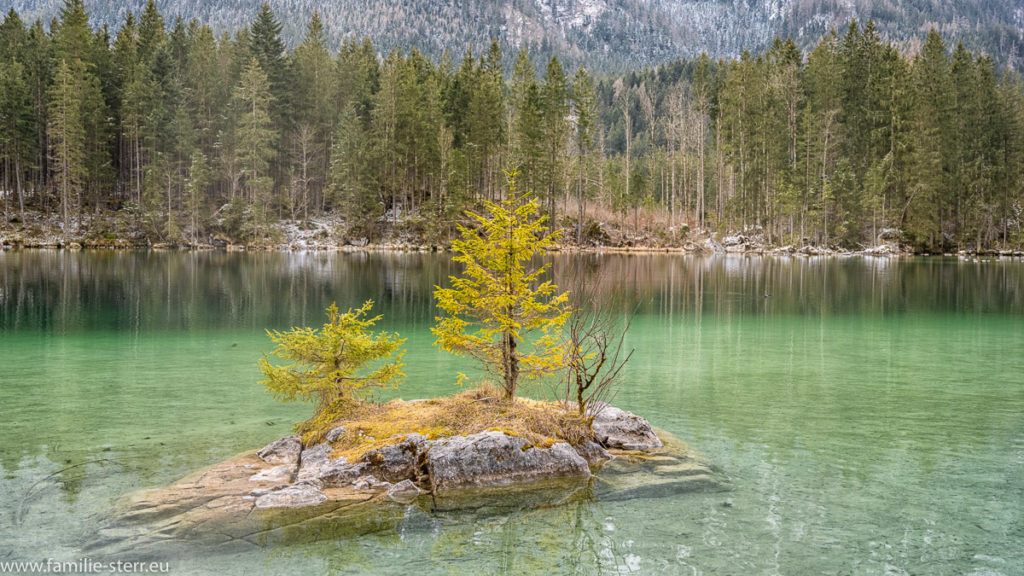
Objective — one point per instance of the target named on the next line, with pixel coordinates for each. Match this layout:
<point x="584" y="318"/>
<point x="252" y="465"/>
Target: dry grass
<point x="369" y="426"/>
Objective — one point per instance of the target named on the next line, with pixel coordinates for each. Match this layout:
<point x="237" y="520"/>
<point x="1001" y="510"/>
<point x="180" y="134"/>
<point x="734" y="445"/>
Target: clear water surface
<point x="868" y="413"/>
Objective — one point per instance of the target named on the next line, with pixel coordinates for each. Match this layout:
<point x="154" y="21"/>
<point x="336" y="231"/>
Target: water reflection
<point x="57" y="291"/>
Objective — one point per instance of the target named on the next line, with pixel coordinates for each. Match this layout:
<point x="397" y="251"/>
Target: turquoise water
<point x="868" y="413"/>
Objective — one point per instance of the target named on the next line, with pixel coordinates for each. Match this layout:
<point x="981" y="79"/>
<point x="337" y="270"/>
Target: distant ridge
<point x="605" y="34"/>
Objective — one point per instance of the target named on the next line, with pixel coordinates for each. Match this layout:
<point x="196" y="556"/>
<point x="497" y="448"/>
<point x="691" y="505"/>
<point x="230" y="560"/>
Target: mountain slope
<point x="609" y="34"/>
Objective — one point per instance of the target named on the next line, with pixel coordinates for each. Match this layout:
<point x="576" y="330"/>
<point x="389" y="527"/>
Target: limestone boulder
<point x="316" y="464"/>
<point x="370" y="483"/>
<point x="617" y="428"/>
<point x="593" y="453"/>
<point x="283" y="451"/>
<point x="396" y="462"/>
<point x="493" y="458"/>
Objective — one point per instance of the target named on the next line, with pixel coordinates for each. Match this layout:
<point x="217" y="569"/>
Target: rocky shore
<point x="287" y="489"/>
<point x="107" y="231"/>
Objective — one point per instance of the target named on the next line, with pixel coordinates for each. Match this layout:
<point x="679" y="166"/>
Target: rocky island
<point x="349" y="481"/>
<point x="358" y="462"/>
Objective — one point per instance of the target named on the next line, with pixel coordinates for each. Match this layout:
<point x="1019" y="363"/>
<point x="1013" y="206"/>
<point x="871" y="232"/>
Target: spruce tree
<point x="485" y="129"/>
<point x="554" y="96"/>
<point x="529" y="130"/>
<point x="268" y="48"/>
<point x="66" y="133"/>
<point x="585" y="108"/>
<point x="316" y="117"/>
<point x="17" y="119"/>
<point x="256" y="137"/>
<point x="925" y="210"/>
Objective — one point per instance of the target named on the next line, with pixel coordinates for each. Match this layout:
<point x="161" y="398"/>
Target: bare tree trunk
<point x="720" y="168"/>
<point x="830" y="116"/>
<point x="700" y="170"/>
<point x="19" y="188"/>
<point x="580" y="199"/>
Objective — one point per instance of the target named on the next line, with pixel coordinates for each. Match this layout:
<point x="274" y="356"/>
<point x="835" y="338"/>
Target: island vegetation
<point x="162" y="132"/>
<point x="355" y="451"/>
<point x="499" y="310"/>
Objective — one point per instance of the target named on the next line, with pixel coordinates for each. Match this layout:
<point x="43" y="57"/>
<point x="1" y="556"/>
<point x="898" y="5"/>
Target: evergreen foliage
<point x="855" y="142"/>
<point x="327" y="364"/>
<point x="499" y="299"/>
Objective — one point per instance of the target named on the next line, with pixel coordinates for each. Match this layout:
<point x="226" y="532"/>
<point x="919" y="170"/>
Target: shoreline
<point x="410" y="248"/>
<point x="43" y="232"/>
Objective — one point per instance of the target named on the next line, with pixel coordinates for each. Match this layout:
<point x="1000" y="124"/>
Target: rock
<point x="335" y="434"/>
<point x="397" y="462"/>
<point x="339" y="474"/>
<point x="882" y="250"/>
<point x="283" y="451"/>
<point x="593" y="453"/>
<point x="615" y="428"/>
<point x="220" y="504"/>
<point x="370" y="482"/>
<point x="282" y="473"/>
<point x="496" y="459"/>
<point x="404" y="492"/>
<point x="295" y="496"/>
<point x="315" y="464"/>
<point x="714" y="247"/>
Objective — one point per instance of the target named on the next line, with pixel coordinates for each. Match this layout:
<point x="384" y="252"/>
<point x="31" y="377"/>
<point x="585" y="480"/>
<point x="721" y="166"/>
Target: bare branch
<point x="595" y="347"/>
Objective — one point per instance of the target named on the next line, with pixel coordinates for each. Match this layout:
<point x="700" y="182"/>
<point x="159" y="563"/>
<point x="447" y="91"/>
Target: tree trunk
<point x="511" y="358"/>
<point x="700" y="172"/>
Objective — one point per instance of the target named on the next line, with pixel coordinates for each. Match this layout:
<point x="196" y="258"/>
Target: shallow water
<point x="868" y="413"/>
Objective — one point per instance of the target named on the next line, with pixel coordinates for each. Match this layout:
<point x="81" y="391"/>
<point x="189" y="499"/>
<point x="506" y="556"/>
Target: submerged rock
<point x="496" y="459"/>
<point x="283" y="451"/>
<point x="663" y="473"/>
<point x="616" y="428"/>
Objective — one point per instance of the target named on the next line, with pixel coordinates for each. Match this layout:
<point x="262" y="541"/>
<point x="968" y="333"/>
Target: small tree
<point x="595" y="348"/>
<point x="326" y="361"/>
<point x="499" y="298"/>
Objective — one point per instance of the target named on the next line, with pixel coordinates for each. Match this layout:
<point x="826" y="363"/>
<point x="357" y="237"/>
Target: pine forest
<point x="165" y="132"/>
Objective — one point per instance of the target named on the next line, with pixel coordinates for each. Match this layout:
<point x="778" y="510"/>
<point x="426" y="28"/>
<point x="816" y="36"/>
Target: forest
<point x="179" y="135"/>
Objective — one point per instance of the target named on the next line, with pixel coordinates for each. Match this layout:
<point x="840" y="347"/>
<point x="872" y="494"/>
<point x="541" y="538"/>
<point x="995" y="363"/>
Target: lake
<point x="867" y="413"/>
